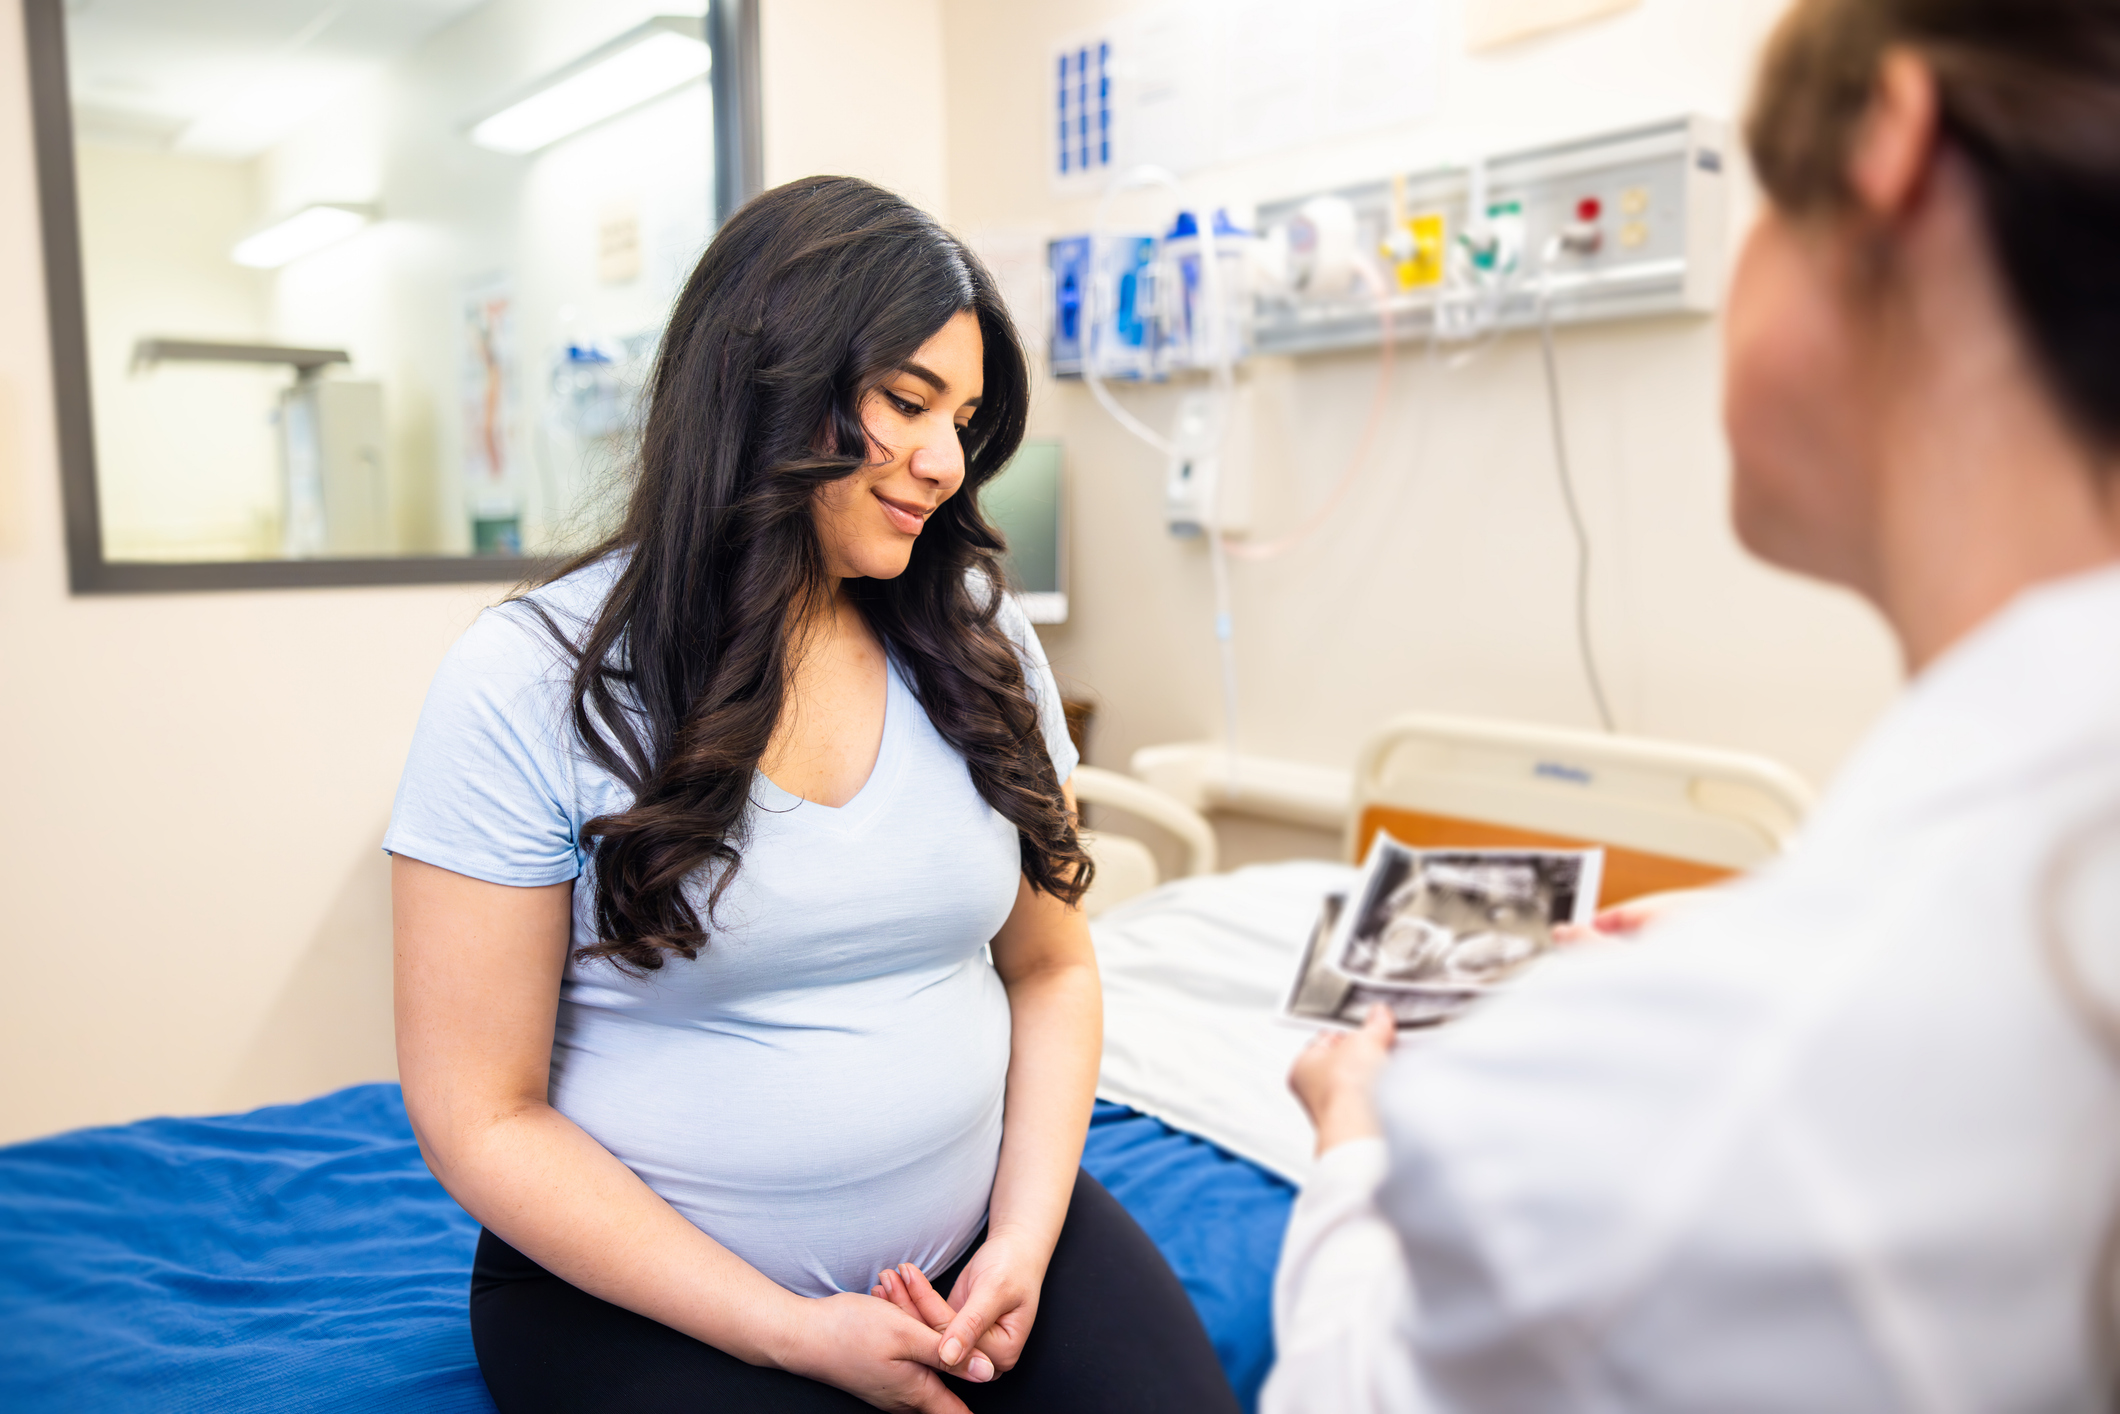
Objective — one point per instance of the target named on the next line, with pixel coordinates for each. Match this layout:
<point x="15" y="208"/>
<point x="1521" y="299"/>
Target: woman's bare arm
<point x="478" y="970"/>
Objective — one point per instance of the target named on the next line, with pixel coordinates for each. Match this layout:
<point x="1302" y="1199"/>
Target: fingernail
<point x="951" y="1349"/>
<point x="981" y="1369"/>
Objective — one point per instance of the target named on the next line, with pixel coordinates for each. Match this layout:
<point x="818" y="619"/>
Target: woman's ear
<point x="1897" y="139"/>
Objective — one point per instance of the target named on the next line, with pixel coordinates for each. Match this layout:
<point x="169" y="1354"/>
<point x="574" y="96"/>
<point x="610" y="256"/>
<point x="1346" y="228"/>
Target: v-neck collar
<point x="898" y="701"/>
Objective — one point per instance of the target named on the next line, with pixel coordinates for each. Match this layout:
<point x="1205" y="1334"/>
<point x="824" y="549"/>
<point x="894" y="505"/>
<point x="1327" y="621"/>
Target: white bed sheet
<point x="1194" y="975"/>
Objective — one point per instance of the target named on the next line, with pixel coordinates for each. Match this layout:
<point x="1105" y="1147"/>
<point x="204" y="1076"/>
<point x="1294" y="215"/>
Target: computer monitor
<point x="1023" y="502"/>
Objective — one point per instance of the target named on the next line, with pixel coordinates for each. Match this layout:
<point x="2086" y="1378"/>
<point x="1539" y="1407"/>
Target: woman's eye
<point x="906" y="409"/>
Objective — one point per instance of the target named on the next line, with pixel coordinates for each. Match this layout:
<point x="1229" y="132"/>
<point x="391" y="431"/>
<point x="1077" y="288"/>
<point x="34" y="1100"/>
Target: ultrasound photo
<point x="1441" y="921"/>
<point x="1322" y="995"/>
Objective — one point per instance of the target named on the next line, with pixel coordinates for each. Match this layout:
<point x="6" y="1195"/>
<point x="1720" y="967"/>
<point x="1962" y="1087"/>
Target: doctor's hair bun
<point x="2029" y="92"/>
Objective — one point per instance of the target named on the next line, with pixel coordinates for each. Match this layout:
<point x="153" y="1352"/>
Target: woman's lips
<point x="903" y="516"/>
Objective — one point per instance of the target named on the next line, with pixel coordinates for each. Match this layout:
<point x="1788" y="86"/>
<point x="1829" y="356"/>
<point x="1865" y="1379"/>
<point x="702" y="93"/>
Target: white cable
<point x="1222" y="339"/>
<point x="1225" y="634"/>
<point x="1583" y="641"/>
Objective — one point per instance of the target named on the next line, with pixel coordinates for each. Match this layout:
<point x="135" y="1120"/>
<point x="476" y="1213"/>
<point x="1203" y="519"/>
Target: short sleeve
<point x="1038" y="676"/>
<point x="488" y="789"/>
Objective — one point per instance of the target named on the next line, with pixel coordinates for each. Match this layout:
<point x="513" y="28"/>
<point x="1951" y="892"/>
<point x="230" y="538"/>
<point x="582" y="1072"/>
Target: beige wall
<point x="855" y="88"/>
<point x="1446" y="581"/>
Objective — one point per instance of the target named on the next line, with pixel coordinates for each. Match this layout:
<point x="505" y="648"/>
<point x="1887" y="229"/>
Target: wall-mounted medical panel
<point x="1616" y="226"/>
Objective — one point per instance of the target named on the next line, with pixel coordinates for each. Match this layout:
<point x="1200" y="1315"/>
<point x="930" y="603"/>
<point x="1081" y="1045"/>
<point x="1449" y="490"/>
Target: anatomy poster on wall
<point x="493" y="496"/>
<point x="1490" y="23"/>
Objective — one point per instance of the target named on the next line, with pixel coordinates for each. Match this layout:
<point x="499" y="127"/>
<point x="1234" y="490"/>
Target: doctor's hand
<point x="990" y="1310"/>
<point x="1624" y="920"/>
<point x="872" y="1350"/>
<point x="1336" y="1077"/>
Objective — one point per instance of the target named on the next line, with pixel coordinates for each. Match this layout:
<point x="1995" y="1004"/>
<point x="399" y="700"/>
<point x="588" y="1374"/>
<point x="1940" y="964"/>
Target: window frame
<point x="732" y="35"/>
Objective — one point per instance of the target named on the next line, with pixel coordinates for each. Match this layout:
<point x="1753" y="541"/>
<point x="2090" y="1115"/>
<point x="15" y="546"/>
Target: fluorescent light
<point x="310" y="229"/>
<point x="646" y="63"/>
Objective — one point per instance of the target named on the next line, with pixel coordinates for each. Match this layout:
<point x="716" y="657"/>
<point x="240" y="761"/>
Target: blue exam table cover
<point x="301" y="1257"/>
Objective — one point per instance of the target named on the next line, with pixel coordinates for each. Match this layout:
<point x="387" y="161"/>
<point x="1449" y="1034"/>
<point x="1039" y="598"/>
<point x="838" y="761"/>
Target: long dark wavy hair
<point x="807" y="298"/>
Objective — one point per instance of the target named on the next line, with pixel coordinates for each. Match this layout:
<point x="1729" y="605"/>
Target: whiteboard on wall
<point x="1489" y="23"/>
<point x="1194" y="83"/>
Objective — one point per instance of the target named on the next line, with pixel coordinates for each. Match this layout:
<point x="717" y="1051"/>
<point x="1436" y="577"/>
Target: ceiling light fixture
<point x="642" y="64"/>
<point x="308" y="230"/>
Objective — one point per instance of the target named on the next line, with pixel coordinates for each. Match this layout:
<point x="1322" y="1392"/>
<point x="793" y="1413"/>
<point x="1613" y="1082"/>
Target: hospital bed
<point x="301" y="1257"/>
<point x="1194" y="972"/>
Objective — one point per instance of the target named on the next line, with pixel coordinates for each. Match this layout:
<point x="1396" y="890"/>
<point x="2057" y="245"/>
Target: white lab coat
<point x="1835" y="1140"/>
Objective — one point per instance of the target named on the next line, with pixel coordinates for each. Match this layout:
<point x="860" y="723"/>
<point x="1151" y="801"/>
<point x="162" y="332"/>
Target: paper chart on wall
<point x="1198" y="82"/>
<point x="1492" y="23"/>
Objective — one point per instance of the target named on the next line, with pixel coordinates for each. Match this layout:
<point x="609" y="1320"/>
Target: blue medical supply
<point x="1188" y="337"/>
<point x="1068" y="259"/>
<point x="1114" y="285"/>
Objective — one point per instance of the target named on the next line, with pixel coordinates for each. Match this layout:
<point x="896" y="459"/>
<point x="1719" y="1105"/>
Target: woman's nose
<point x="940" y="458"/>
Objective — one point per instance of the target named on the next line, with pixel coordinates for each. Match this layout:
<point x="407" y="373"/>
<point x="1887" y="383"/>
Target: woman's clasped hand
<point x="988" y="1316"/>
<point x="887" y="1347"/>
<point x="878" y="1351"/>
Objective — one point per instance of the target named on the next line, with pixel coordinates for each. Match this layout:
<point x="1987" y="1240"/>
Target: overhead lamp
<point x="640" y="65"/>
<point x="308" y="230"/>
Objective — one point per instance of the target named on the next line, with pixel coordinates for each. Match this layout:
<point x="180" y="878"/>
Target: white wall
<point x="188" y="467"/>
<point x="456" y="217"/>
<point x="1445" y="583"/>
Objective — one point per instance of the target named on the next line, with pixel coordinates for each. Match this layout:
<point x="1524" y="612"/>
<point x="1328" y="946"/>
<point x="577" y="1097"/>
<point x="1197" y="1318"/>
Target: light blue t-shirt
<point x="820" y="1090"/>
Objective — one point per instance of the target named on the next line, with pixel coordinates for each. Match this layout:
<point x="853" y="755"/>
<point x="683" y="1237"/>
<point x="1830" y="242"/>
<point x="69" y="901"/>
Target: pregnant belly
<point x="820" y="1154"/>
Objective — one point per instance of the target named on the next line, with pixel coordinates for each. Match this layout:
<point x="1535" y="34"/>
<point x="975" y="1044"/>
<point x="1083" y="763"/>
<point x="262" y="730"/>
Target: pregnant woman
<point x="699" y="853"/>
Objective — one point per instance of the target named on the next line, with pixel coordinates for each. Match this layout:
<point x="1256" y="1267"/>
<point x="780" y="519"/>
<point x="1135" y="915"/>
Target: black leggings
<point x="1115" y="1333"/>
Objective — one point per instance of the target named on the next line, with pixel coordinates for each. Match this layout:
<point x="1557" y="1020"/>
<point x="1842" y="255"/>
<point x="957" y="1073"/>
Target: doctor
<point x="1846" y="1136"/>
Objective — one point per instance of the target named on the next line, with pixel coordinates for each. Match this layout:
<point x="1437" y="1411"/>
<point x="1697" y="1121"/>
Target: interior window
<point x="375" y="281"/>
